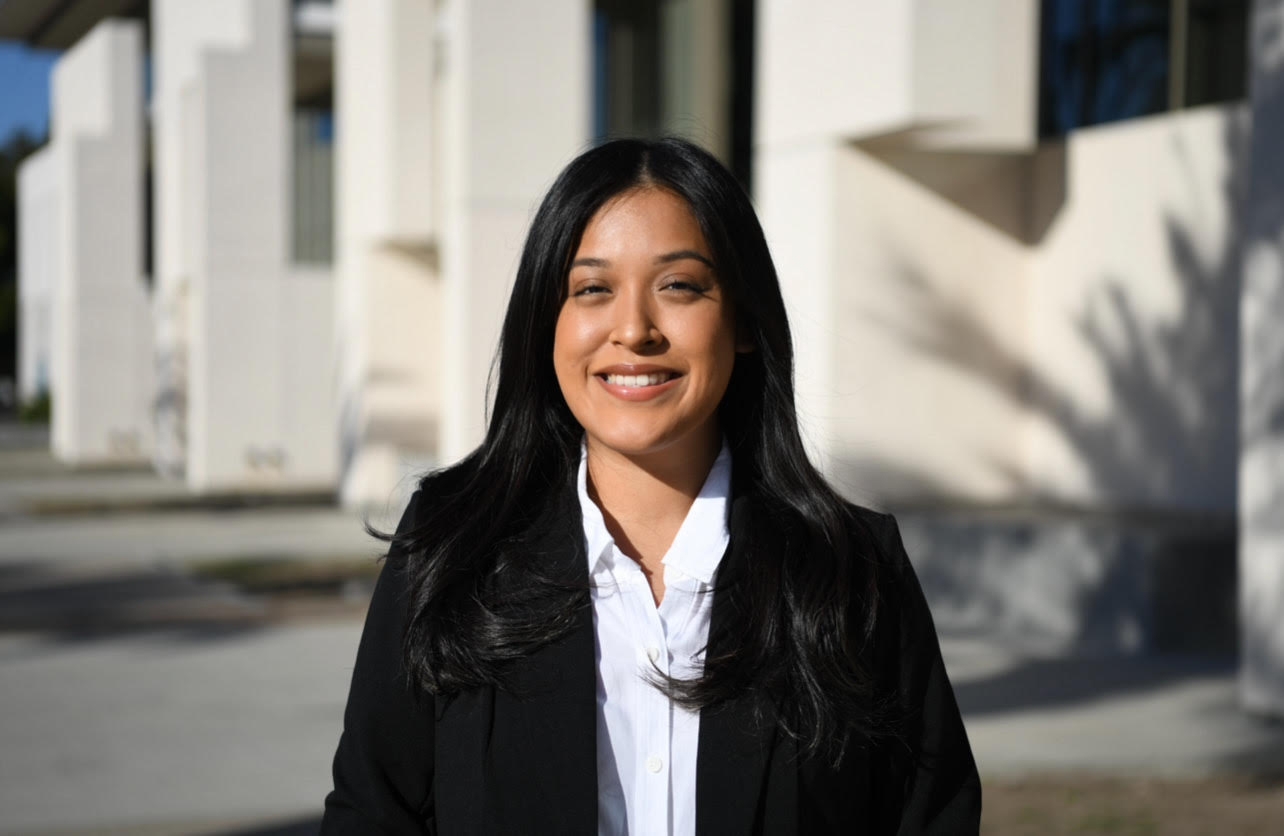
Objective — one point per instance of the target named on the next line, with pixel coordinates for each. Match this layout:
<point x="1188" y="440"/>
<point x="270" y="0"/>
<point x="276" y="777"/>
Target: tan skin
<point x="649" y="511"/>
<point x="643" y="296"/>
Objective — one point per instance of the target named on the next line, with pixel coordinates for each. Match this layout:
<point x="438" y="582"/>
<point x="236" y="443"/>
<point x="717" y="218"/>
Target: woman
<point x="636" y="607"/>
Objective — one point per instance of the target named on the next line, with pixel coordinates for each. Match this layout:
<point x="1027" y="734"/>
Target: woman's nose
<point x="635" y="326"/>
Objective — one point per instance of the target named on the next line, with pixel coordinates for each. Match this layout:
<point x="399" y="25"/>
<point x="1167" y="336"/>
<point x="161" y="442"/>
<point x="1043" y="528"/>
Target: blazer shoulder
<point x="433" y="489"/>
<point x="437" y="486"/>
<point x="878" y="535"/>
<point x="868" y="517"/>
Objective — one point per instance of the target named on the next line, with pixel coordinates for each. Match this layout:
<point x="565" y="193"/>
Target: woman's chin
<point x="652" y="444"/>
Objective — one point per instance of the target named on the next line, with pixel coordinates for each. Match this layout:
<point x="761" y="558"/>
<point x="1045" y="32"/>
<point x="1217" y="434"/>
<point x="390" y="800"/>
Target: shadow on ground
<point x="79" y="604"/>
<point x="1262" y="759"/>
<point x="1068" y="682"/>
<point x="300" y="827"/>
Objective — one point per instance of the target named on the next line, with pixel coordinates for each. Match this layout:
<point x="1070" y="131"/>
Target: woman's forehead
<point x="644" y="221"/>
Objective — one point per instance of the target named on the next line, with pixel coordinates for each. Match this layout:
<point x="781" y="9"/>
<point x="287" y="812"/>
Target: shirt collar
<point x="596" y="535"/>
<point x="701" y="540"/>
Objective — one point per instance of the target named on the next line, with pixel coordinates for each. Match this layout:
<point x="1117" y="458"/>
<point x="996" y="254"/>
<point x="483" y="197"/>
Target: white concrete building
<point x="259" y="329"/>
<point x="1009" y="231"/>
<point x="999" y="302"/>
<point x="387" y="278"/>
<point x="433" y="201"/>
<point x="920" y="223"/>
<point x="82" y="273"/>
<point x="242" y="325"/>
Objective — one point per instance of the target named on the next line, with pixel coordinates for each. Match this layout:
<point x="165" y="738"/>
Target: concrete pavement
<point x="210" y="731"/>
<point x="140" y="699"/>
<point x="178" y="731"/>
<point x="1159" y="716"/>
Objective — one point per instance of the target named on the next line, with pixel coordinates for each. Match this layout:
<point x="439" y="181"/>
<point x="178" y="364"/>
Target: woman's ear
<point x="744" y="345"/>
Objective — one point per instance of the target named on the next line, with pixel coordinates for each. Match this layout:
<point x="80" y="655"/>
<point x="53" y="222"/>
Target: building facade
<point x="1032" y="283"/>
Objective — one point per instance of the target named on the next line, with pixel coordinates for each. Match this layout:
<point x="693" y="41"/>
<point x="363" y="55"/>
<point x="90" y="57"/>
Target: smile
<point x="637" y="388"/>
<point x="636" y="381"/>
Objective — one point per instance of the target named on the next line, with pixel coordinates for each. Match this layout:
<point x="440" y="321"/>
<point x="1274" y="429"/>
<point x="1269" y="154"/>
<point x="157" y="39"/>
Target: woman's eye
<point x="589" y="290"/>
<point x="683" y="286"/>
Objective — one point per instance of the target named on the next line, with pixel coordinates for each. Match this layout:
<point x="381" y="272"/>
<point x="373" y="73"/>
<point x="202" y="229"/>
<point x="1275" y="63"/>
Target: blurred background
<point x="253" y="260"/>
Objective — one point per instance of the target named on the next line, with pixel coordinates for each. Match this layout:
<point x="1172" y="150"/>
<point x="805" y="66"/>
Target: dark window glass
<point x="627" y="68"/>
<point x="742" y="79"/>
<point x="1216" y="51"/>
<point x="313" y="186"/>
<point x="149" y="220"/>
<point x="1102" y="61"/>
<point x="1105" y="60"/>
<point x="642" y="61"/>
<point x="149" y="183"/>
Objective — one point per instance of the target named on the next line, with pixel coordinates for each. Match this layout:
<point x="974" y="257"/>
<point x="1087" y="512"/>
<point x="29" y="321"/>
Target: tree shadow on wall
<point x="1172" y="383"/>
<point x="1174" y="387"/>
<point x="1262" y="387"/>
<point x="1263" y="380"/>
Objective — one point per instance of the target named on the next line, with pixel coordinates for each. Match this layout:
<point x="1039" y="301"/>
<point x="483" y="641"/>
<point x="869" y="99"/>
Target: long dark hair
<point x="805" y="600"/>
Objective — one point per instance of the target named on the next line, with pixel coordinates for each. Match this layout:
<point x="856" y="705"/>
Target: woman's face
<point x="645" y="341"/>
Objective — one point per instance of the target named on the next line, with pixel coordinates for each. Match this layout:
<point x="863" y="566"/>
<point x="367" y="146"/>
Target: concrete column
<point x="802" y="123"/>
<point x="259" y="331"/>
<point x="389" y="347"/>
<point x="798" y="209"/>
<point x="1261" y="478"/>
<point x="182" y="32"/>
<point x="38" y="249"/>
<point x="102" y="378"/>
<point x="517" y="90"/>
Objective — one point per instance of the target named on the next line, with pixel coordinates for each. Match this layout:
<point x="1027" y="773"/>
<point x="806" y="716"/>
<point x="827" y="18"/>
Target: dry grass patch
<point x="1061" y="806"/>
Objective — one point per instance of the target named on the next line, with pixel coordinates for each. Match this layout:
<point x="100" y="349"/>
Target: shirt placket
<point x="679" y="613"/>
<point x="652" y="795"/>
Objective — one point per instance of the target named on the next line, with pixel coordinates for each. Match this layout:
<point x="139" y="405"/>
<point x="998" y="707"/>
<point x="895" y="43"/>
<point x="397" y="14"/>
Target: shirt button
<point x="654" y="764"/>
<point x="653" y="653"/>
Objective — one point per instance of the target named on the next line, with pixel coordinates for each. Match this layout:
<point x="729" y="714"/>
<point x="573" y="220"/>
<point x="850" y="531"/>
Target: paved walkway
<point x="173" y="729"/>
<point x="1174" y="716"/>
<point x="227" y="724"/>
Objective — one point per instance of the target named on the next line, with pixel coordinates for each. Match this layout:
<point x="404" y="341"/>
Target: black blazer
<point x="490" y="762"/>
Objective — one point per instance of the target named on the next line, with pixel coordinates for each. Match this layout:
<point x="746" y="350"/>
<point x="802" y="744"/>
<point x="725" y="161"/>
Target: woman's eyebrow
<point x="667" y="258"/>
<point x="680" y="255"/>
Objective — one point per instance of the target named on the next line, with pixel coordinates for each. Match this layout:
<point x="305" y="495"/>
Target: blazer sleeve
<point x="383" y="769"/>
<point x="942" y="789"/>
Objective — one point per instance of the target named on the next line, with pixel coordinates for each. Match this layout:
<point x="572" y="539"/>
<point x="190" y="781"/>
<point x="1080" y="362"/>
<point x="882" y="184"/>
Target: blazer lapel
<point x="737" y="737"/>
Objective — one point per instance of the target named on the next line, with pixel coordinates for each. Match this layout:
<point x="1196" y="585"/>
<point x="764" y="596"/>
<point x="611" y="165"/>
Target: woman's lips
<point x="638" y="387"/>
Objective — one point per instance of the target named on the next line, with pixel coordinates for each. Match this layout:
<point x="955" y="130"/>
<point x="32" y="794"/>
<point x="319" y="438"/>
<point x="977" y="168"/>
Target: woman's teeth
<point x="638" y="379"/>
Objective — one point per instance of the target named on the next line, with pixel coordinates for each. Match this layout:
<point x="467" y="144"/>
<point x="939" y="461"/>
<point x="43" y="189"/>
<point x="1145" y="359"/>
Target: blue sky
<point x="24" y="89"/>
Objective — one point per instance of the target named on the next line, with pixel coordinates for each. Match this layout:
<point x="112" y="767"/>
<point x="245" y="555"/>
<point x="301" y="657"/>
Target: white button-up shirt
<point x="646" y="745"/>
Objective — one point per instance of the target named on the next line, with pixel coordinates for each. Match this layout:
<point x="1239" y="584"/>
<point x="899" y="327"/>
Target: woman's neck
<point x="645" y="499"/>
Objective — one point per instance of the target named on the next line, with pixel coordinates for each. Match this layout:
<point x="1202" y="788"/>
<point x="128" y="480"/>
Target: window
<point x="626" y="69"/>
<point x="1106" y="60"/>
<point x="678" y="67"/>
<point x="1216" y="52"/>
<point x="312" y="134"/>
